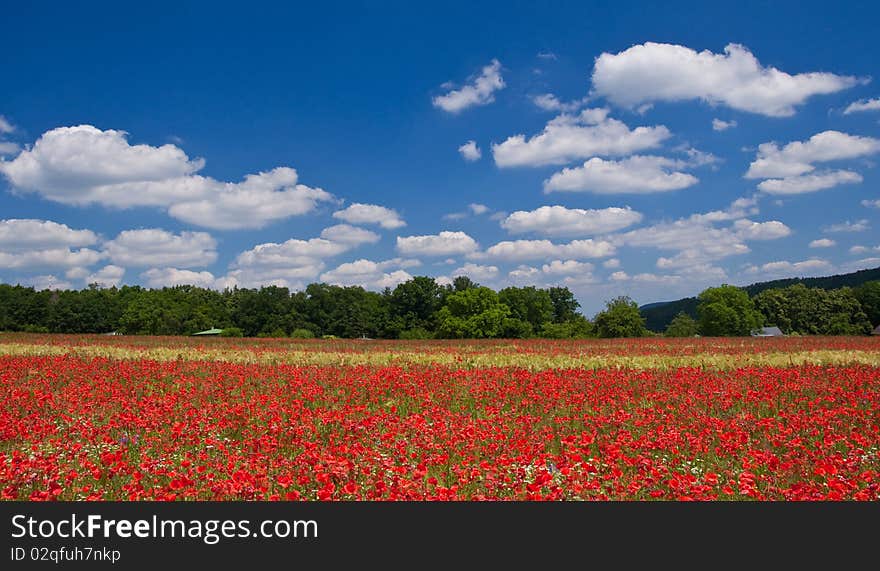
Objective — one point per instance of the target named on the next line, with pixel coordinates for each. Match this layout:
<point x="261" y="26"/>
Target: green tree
<point x="727" y="310"/>
<point x="682" y="325"/>
<point x="529" y="305"/>
<point x="868" y="295"/>
<point x="414" y="303"/>
<point x="620" y="318"/>
<point x="472" y="313"/>
<point x="565" y="305"/>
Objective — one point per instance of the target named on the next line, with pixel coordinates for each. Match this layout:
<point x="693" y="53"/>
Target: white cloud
<point x="258" y="200"/>
<point x="636" y="175"/>
<point x="562" y="221"/>
<point x="84" y="165"/>
<point x="470" y="151"/>
<point x="168" y="277"/>
<point x="473" y="209"/>
<point x="5" y="126"/>
<point x="443" y="244"/>
<point x="7" y="148"/>
<point x="477" y="272"/>
<point x="809" y="182"/>
<point x="748" y="230"/>
<point x="522" y="250"/>
<point x="43" y="282"/>
<point x="847" y="226"/>
<point x="480" y="91"/>
<point x="863" y="105"/>
<point x="108" y="276"/>
<point x="797" y="158"/>
<point x="478" y="209"/>
<point x="863" y="264"/>
<point x="719" y="125"/>
<point x="367" y="274"/>
<point x="157" y="247"/>
<point x="359" y="213"/>
<point x="698" y="241"/>
<point x="619" y="276"/>
<point x="346" y="234"/>
<point x="871" y="203"/>
<point x="822" y="243"/>
<point x="289" y="264"/>
<point x="567" y="268"/>
<point x="27" y="234"/>
<point x="613" y="263"/>
<point x="860" y="249"/>
<point x="50" y="258"/>
<point x="783" y="269"/>
<point x="667" y="72"/>
<point x="571" y="137"/>
<point x="549" y="102"/>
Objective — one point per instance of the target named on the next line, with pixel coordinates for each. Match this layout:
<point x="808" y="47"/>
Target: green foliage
<point x="232" y="332"/>
<point x="565" y="305"/>
<point x="529" y="305"/>
<point x="302" y="333"/>
<point x="474" y="312"/>
<point x="620" y="318"/>
<point x="416" y="333"/>
<point x="727" y="310"/>
<point x="577" y="328"/>
<point x="813" y="311"/>
<point x="868" y="295"/>
<point x="683" y="325"/>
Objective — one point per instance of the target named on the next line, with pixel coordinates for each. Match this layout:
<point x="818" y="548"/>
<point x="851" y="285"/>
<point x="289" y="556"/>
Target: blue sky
<point x="617" y="148"/>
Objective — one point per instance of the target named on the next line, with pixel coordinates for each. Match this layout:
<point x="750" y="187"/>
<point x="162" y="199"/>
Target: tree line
<point x="422" y="309"/>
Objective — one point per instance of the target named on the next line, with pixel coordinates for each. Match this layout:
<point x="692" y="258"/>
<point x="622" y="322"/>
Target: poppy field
<point x="98" y="418"/>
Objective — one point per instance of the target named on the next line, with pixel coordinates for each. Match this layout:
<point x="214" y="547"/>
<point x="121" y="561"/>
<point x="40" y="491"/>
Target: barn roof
<point x="213" y="331"/>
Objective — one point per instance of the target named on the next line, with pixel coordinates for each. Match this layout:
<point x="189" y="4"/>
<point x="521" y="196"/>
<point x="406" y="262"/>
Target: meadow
<point x="182" y="418"/>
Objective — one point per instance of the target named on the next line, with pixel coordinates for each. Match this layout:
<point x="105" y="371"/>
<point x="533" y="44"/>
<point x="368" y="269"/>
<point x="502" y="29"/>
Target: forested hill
<point x="658" y="315"/>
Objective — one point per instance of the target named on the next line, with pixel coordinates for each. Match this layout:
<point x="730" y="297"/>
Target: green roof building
<point x="213" y="331"/>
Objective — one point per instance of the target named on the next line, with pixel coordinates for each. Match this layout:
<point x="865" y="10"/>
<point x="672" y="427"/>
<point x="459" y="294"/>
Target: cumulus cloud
<point x="289" y="264"/>
<point x="863" y="105"/>
<point x="169" y="277"/>
<point x="697" y="240"/>
<point x="84" y="165"/>
<point x="613" y="263"/>
<point x="523" y="250"/>
<point x="31" y="243"/>
<point x="443" y="244"/>
<point x="571" y="137"/>
<point x="470" y="151"/>
<point x="719" y="125"/>
<point x="480" y="91"/>
<point x="871" y="203"/>
<point x="668" y="72"/>
<point x="368" y="274"/>
<point x="847" y="226"/>
<point x="108" y="276"/>
<point x="157" y="247"/>
<point x="634" y="175"/>
<point x="24" y="234"/>
<point x="477" y="272"/>
<point x="43" y="282"/>
<point x="784" y="269"/>
<point x="748" y="230"/>
<point x="822" y="243"/>
<point x="346" y="234"/>
<point x="5" y="126"/>
<point x="809" y="182"/>
<point x="359" y="213"/>
<point x="562" y="221"/>
<point x="790" y="169"/>
<point x="549" y="102"/>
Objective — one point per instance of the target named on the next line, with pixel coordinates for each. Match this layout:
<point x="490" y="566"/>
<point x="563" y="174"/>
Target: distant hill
<point x="658" y="315"/>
